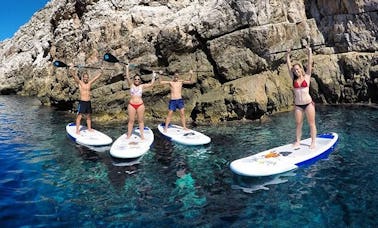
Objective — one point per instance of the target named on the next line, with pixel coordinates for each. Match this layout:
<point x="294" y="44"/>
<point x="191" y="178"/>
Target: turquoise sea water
<point x="48" y="181"/>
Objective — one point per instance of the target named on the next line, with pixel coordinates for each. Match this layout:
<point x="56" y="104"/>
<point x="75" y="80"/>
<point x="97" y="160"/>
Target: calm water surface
<point x="46" y="180"/>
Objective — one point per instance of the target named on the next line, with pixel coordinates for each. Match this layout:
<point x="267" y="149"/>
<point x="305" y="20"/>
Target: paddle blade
<point x="145" y="71"/>
<point x="59" y="64"/>
<point x="110" y="58"/>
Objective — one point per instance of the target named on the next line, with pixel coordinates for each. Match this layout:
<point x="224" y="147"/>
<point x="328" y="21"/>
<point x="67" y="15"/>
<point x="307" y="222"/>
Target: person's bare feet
<point x="296" y="144"/>
<point x="313" y="145"/>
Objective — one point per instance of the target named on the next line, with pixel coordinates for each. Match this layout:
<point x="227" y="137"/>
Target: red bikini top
<point x="303" y="84"/>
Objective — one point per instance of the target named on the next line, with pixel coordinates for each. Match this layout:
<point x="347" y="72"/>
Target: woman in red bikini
<point x="303" y="100"/>
<point x="136" y="106"/>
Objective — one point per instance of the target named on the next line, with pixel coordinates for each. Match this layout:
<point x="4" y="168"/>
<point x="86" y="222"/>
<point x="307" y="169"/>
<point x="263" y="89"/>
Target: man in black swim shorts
<point x="85" y="107"/>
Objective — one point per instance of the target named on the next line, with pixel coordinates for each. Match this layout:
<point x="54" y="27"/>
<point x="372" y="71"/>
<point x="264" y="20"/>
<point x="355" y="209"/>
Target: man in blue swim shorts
<point x="176" y="101"/>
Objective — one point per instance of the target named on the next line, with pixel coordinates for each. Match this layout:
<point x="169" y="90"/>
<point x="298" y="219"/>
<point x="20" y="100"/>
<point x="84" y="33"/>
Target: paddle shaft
<point x="90" y="67"/>
<point x="295" y="49"/>
<point x="61" y="64"/>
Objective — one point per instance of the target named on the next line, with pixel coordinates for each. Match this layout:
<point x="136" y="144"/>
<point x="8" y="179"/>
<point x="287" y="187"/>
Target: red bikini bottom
<point x="136" y="106"/>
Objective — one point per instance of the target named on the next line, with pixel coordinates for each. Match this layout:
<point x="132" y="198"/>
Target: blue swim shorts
<point x="176" y="104"/>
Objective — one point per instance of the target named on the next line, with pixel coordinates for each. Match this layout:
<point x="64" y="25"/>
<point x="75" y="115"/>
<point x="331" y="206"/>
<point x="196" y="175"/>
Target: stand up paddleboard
<point x="88" y="138"/>
<point x="285" y="158"/>
<point x="133" y="147"/>
<point x="187" y="137"/>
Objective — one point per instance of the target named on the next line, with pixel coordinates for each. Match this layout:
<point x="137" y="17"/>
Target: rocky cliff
<point x="236" y="48"/>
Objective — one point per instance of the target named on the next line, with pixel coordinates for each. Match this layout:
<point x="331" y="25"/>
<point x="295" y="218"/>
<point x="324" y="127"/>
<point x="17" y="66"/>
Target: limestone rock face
<point x="236" y="48"/>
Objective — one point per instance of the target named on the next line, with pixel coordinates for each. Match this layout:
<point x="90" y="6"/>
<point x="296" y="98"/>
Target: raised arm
<point x="190" y="81"/>
<point x="160" y="81"/>
<point x="127" y="75"/>
<point x="73" y="73"/>
<point x="309" y="63"/>
<point x="97" y="75"/>
<point x="152" y="81"/>
<point x="288" y="62"/>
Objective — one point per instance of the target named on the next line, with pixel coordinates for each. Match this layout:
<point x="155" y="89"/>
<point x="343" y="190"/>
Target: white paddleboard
<point x="88" y="138"/>
<point x="187" y="137"/>
<point x="285" y="158"/>
<point x="134" y="146"/>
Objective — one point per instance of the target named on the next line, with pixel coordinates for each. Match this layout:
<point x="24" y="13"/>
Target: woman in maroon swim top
<point x="303" y="100"/>
<point x="136" y="106"/>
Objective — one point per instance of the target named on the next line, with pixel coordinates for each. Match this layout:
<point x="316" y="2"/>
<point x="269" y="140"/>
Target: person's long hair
<point x="295" y="76"/>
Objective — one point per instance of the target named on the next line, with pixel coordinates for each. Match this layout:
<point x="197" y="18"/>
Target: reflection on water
<point x="253" y="184"/>
<point x="47" y="180"/>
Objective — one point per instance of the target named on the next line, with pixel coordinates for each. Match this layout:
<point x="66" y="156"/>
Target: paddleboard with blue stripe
<point x="285" y="158"/>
